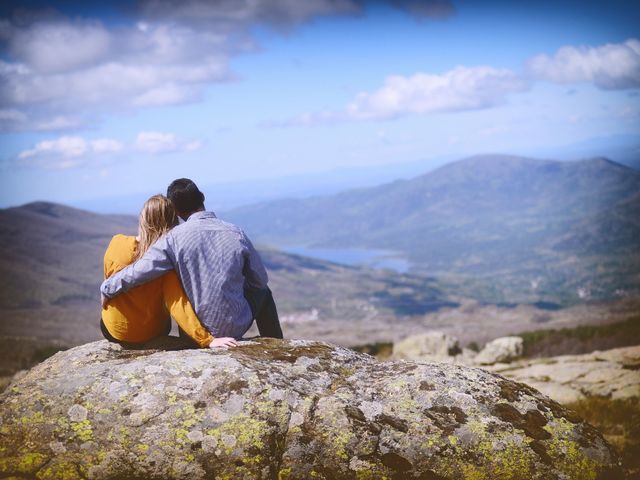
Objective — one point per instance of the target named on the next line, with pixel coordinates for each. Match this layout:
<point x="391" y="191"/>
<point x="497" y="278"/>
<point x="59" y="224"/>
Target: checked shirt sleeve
<point x="254" y="272"/>
<point x="158" y="260"/>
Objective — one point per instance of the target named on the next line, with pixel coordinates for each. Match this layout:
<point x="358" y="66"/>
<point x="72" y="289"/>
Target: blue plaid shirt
<point x="215" y="262"/>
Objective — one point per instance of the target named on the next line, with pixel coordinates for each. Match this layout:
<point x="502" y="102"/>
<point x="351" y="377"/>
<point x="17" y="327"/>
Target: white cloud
<point x="12" y="116"/>
<point x="58" y="122"/>
<point x="61" y="47"/>
<point x="613" y="66"/>
<point x="67" y="151"/>
<point x="162" y="142"/>
<point x="166" y="95"/>
<point x="460" y="89"/>
<point x="15" y="120"/>
<point x="64" y="146"/>
<point x="162" y="66"/>
<point x="71" y="151"/>
<point x="54" y="70"/>
<point x="106" y="145"/>
<point x="156" y="142"/>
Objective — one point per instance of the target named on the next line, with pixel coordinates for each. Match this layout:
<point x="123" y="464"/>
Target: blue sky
<point x="118" y="100"/>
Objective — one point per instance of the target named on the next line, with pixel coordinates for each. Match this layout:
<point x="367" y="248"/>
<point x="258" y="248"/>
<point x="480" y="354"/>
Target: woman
<point x="142" y="313"/>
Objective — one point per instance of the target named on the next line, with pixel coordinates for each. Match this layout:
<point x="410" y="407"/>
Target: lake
<point x="374" y="258"/>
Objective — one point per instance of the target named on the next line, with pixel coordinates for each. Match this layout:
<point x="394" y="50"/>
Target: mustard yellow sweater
<point x="140" y="314"/>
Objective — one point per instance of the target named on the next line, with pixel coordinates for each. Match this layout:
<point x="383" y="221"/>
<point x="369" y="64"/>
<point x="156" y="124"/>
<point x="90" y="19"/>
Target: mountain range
<point x="623" y="149"/>
<point x="498" y="228"/>
<point x="51" y="268"/>
<point x="501" y="230"/>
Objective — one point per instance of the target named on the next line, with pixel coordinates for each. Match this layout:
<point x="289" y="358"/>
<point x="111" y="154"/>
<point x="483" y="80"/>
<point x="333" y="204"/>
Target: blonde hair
<point x="157" y="217"/>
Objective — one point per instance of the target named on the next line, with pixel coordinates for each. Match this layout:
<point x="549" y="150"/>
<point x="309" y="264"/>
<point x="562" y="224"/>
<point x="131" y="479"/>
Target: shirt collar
<point x="199" y="215"/>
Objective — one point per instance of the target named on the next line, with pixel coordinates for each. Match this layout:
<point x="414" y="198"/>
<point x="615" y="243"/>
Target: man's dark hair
<point x="185" y="196"/>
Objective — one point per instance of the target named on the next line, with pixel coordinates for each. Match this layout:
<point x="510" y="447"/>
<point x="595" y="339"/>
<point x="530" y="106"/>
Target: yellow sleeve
<point x="108" y="260"/>
<point x="119" y="254"/>
<point x="181" y="310"/>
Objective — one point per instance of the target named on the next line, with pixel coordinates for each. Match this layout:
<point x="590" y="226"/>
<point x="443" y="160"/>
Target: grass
<point x="619" y="422"/>
<point x="41" y="354"/>
<point x="581" y="339"/>
<point x="380" y="350"/>
<point x="22" y="353"/>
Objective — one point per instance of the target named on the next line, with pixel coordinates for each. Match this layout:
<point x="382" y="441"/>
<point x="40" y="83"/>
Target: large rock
<point x="503" y="349"/>
<point x="568" y="378"/>
<point x="435" y="346"/>
<point x="284" y="409"/>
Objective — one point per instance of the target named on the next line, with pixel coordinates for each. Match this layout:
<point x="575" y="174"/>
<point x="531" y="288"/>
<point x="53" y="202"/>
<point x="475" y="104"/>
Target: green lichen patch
<point x="241" y="432"/>
<point x="29" y="463"/>
<point x="59" y="471"/>
<point x="83" y="430"/>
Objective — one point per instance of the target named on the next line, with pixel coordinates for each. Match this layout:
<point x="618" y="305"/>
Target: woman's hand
<point x="223" y="342"/>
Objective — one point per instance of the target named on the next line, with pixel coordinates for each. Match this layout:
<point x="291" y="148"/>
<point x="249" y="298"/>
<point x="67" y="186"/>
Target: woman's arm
<point x="180" y="308"/>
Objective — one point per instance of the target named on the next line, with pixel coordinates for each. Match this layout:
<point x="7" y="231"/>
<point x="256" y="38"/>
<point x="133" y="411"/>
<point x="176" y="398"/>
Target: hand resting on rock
<point x="223" y="342"/>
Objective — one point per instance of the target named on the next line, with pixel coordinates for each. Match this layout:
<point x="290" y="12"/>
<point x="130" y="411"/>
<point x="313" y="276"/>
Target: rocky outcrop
<point x="434" y="346"/>
<point x="286" y="410"/>
<point x="503" y="349"/>
<point x="437" y="346"/>
<point x="568" y="378"/>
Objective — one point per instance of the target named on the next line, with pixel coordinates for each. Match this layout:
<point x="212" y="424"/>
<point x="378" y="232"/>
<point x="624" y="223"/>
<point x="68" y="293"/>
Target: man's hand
<point x="104" y="301"/>
<point x="223" y="342"/>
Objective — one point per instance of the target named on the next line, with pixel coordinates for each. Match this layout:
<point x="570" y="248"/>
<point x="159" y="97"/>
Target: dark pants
<point x="263" y="309"/>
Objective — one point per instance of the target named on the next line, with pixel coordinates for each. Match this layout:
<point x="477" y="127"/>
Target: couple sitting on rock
<point x="205" y="273"/>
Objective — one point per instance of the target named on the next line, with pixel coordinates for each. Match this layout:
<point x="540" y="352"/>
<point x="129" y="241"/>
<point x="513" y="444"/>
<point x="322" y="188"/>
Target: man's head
<point x="186" y="197"/>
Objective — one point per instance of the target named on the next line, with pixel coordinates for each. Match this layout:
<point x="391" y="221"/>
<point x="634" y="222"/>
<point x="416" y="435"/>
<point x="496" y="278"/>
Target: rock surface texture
<point x="568" y="378"/>
<point x="284" y="410"/>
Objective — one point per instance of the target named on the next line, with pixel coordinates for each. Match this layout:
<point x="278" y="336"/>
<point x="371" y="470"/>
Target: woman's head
<point x="157" y="217"/>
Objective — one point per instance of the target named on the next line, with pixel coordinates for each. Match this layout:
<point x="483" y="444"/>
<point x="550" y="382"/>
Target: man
<point x="220" y="270"/>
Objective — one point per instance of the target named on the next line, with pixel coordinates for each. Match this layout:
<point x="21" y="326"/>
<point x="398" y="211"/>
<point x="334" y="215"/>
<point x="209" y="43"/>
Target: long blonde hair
<point x="157" y="217"/>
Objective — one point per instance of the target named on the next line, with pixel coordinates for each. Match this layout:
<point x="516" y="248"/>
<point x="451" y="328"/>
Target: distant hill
<point x="52" y="254"/>
<point x="499" y="228"/>
<point x="51" y="268"/>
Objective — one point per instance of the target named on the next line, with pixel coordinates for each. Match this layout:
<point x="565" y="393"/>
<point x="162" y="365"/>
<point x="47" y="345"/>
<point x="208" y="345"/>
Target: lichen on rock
<point x="284" y="409"/>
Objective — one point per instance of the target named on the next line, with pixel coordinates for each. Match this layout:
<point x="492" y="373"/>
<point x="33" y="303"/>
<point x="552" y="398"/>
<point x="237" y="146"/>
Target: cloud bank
<point x="609" y="67"/>
<point x="58" y="72"/>
<point x="123" y="68"/>
<point x="456" y="90"/>
<point x="459" y="89"/>
<point x="63" y="73"/>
